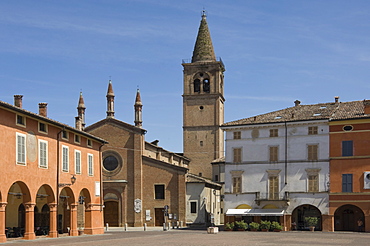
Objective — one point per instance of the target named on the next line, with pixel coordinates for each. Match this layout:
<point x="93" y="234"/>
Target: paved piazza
<point x="199" y="238"/>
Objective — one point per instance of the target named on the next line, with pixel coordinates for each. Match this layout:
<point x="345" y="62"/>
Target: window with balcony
<point x="273" y="187"/>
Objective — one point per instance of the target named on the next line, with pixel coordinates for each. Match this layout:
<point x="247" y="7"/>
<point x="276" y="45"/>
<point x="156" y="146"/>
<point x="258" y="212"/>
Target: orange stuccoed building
<point x="51" y="175"/>
<point x="349" y="197"/>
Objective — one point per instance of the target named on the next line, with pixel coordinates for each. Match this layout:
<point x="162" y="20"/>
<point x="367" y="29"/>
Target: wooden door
<point x="111" y="213"/>
<point x="159" y="217"/>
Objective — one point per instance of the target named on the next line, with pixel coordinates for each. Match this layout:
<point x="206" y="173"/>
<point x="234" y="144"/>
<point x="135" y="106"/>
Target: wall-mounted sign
<point x="137" y="205"/>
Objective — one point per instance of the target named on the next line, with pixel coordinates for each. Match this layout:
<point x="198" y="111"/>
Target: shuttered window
<point x="65" y="157"/>
<point x="273" y="188"/>
<point x="237" y="155"/>
<point x="21" y="149"/>
<point x="313" y="184"/>
<point x="347" y="148"/>
<point x="346" y="182"/>
<point x="78" y="161"/>
<point x="43" y="154"/>
<point x="237" y="185"/>
<point x="273" y="153"/>
<point x="312" y="152"/>
<point x="90" y="164"/>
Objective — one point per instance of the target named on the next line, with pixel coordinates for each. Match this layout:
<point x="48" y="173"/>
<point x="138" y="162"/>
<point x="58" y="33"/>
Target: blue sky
<point x="274" y="51"/>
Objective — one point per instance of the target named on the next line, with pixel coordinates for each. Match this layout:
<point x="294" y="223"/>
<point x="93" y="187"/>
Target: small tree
<point x="311" y="221"/>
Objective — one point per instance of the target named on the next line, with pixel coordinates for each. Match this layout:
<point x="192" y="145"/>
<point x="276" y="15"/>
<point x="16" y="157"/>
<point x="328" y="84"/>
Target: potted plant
<point x="275" y="226"/>
<point x="241" y="225"/>
<point x="265" y="225"/>
<point x="311" y="222"/>
<point x="229" y="226"/>
<point x="253" y="226"/>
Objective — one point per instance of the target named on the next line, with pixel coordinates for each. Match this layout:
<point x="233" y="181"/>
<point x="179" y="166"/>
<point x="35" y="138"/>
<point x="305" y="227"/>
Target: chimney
<point x="78" y="123"/>
<point x="18" y="101"/>
<point x="43" y="109"/>
<point x="366" y="106"/>
<point x="336" y="99"/>
<point x="297" y="102"/>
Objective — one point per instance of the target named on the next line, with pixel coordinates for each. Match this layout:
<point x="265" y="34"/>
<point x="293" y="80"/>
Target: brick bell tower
<point x="203" y="105"/>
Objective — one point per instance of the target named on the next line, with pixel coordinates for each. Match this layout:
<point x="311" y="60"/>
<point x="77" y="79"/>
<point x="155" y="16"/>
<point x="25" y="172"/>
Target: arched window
<point x="197" y="85"/>
<point x="206" y="86"/>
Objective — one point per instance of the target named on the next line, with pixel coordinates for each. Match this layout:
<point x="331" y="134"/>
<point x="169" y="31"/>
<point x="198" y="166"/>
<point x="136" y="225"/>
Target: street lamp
<point x="73" y="180"/>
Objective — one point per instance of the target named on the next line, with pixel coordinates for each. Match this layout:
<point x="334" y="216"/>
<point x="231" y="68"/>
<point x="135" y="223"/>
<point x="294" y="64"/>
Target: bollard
<point x="125" y="226"/>
<point x="106" y="226"/>
<point x="164" y="227"/>
<point x="144" y="226"/>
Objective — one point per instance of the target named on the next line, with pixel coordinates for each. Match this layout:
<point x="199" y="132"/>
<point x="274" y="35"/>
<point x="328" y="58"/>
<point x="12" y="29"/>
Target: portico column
<point x="73" y="231"/>
<point x="29" y="233"/>
<point x="2" y="222"/>
<point x="93" y="219"/>
<point x="53" y="232"/>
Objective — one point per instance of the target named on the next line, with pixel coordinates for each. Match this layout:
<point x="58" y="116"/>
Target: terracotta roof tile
<point x="320" y="111"/>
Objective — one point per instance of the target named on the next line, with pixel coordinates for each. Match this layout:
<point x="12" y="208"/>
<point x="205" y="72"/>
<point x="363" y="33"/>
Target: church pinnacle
<point x="203" y="49"/>
<point x="110" y="101"/>
<point x="138" y="110"/>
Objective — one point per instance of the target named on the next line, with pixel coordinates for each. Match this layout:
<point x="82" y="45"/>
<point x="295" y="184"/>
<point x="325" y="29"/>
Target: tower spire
<point x="203" y="49"/>
<point x="138" y="110"/>
<point x="81" y="111"/>
<point x="110" y="101"/>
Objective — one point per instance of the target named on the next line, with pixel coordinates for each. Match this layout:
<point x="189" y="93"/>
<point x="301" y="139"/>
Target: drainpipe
<point x="286" y="153"/>
<point x="101" y="177"/>
<point x="58" y="164"/>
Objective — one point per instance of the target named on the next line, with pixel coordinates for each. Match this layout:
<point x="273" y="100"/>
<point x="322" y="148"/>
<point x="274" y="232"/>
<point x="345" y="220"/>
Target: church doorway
<point x="159" y="216"/>
<point x="111" y="213"/>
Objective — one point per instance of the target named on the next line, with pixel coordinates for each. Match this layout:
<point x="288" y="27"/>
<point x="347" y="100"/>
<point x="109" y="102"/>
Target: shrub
<point x="241" y="225"/>
<point x="265" y="224"/>
<point x="254" y="225"/>
<point x="229" y="226"/>
<point x="276" y="225"/>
